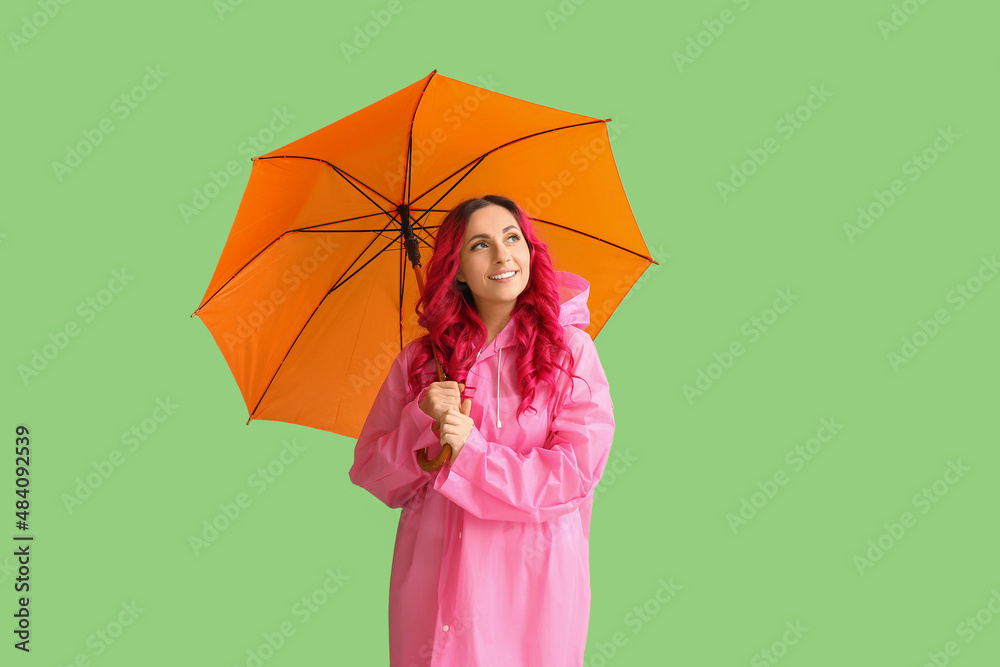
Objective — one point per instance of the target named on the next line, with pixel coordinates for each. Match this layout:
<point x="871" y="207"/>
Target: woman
<point x="491" y="564"/>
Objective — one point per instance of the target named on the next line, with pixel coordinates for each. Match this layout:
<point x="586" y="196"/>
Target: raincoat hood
<point x="574" y="292"/>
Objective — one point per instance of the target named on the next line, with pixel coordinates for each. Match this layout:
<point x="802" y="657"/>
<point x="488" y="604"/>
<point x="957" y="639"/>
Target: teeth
<point x="502" y="276"/>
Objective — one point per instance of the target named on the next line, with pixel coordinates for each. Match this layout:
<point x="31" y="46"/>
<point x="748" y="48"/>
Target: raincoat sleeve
<point x="492" y="481"/>
<point x="385" y="457"/>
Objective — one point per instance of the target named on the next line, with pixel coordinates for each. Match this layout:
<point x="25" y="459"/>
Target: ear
<point x="459" y="277"/>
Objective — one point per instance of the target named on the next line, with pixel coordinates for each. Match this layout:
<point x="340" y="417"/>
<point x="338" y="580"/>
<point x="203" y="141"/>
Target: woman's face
<point x="494" y="245"/>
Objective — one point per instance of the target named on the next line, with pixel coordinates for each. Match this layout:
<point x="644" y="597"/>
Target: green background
<point x="683" y="127"/>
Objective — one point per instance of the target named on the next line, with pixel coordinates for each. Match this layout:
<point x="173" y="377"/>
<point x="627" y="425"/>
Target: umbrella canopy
<point x="313" y="298"/>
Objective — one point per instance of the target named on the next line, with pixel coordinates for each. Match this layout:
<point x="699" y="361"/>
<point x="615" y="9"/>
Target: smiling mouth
<point x="503" y="276"/>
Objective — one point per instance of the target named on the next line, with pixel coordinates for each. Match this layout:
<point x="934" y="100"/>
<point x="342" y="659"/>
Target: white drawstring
<point x="499" y="361"/>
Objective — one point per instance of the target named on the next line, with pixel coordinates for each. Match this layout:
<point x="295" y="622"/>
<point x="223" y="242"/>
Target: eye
<point x="512" y="236"/>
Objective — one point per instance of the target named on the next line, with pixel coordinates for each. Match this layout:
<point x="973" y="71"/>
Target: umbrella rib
<point x="596" y="238"/>
<point x="340" y="231"/>
<point x="493" y="150"/>
<point x="238" y="271"/>
<point x="424" y="229"/>
<point x="337" y="222"/>
<point x="348" y="178"/>
<point x="306" y="230"/>
<point x="340" y="281"/>
<point x="464" y="176"/>
<point x="415" y="222"/>
<point x="299" y="334"/>
<point x="343" y="174"/>
<point x="407" y="178"/>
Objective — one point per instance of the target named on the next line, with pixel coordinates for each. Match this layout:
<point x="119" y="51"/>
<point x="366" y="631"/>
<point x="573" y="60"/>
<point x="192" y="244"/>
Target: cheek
<point x="525" y="260"/>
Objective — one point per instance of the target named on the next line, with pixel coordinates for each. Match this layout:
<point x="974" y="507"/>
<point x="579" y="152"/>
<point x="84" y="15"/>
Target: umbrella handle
<point x="429" y="465"/>
<point x="445" y="454"/>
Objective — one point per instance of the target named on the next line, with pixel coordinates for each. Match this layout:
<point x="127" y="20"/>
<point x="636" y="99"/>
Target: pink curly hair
<point x="447" y="310"/>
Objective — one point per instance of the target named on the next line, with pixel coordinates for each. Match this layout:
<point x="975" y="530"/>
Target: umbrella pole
<point x="413" y="250"/>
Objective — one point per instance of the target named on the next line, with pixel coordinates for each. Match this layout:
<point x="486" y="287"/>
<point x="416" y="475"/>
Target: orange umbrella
<point x="310" y="301"/>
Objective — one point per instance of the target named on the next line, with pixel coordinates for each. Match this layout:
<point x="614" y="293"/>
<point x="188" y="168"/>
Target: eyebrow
<point x="484" y="236"/>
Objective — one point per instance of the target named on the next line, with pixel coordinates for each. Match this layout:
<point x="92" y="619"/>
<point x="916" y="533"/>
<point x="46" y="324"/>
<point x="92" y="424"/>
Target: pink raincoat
<point x="491" y="565"/>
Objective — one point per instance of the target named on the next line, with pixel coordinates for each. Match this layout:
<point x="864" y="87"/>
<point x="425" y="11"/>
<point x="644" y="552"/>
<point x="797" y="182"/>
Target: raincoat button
<point x="445" y="628"/>
<point x="459" y="534"/>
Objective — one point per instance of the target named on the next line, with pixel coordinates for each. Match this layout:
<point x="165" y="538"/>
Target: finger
<point x="454" y="418"/>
